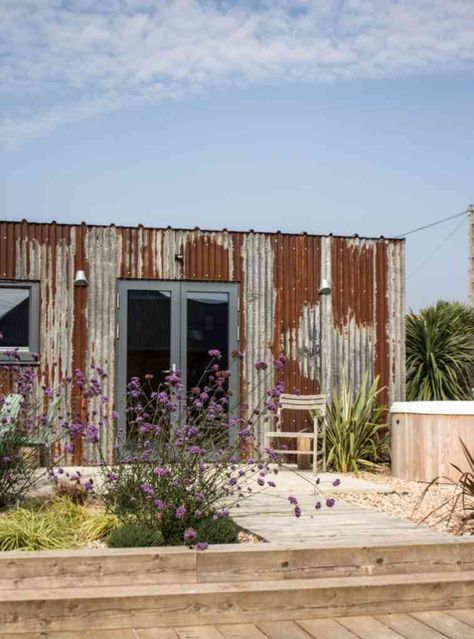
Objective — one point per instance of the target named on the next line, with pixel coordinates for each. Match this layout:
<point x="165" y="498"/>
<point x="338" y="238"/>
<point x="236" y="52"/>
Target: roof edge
<point x="205" y="230"/>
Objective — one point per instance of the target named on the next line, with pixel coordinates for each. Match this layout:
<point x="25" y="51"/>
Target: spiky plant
<point x="354" y="428"/>
<point x="439" y="352"/>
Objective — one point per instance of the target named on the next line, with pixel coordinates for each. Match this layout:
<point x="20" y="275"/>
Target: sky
<point x="342" y="116"/>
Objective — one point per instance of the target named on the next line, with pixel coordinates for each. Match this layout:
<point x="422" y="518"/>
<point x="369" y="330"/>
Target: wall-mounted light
<point x="325" y="288"/>
<point x="80" y="279"/>
<point x="179" y="257"/>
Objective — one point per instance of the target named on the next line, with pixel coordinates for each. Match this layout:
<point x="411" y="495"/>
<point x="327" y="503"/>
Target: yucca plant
<point x="439" y="352"/>
<point x="354" y="428"/>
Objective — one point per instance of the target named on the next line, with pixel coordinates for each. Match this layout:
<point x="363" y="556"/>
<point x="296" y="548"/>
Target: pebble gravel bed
<point x="408" y="500"/>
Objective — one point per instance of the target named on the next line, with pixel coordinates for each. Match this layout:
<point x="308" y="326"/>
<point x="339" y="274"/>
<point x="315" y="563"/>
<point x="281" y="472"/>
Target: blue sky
<point x="336" y="116"/>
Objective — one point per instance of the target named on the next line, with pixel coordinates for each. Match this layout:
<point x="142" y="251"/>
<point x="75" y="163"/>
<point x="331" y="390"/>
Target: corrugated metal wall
<point x="358" y="327"/>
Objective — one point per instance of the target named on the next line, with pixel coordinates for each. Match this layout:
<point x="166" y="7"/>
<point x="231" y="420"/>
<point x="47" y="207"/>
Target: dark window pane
<point x="208" y="328"/>
<point x="148" y="334"/>
<point x="14" y="316"/>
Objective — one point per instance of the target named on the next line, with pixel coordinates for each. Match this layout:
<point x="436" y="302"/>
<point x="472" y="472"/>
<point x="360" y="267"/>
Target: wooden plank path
<point x="438" y="624"/>
<point x="270" y="515"/>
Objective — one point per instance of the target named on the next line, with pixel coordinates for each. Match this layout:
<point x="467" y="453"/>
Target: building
<point x="156" y="298"/>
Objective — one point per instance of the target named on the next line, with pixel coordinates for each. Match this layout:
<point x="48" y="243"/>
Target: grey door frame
<point x="178" y="290"/>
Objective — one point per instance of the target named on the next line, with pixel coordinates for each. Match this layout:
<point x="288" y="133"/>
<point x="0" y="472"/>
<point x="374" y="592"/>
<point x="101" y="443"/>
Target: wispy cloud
<point x="83" y="58"/>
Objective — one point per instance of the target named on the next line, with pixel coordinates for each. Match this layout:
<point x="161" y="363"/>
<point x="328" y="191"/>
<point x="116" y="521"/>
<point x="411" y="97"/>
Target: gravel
<point x="406" y="501"/>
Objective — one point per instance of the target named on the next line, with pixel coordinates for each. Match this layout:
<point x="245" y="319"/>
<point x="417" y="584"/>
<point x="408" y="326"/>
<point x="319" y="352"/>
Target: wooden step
<point x="130" y="606"/>
<point x="232" y="563"/>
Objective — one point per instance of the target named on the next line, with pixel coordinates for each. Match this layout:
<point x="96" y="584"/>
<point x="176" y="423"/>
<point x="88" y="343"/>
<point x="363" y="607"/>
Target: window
<point x="19" y="319"/>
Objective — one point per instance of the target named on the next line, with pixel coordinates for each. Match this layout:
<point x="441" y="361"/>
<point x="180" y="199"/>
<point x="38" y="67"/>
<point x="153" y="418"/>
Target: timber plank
<point x="466" y="616"/>
<point x="241" y="631"/>
<point x="62" y="569"/>
<point x="199" y="632"/>
<point x="367" y="627"/>
<point x="282" y="630"/>
<point x="446" y="624"/>
<point x="250" y="602"/>
<point x="409" y="627"/>
<point x="153" y="633"/>
<point x="326" y="629"/>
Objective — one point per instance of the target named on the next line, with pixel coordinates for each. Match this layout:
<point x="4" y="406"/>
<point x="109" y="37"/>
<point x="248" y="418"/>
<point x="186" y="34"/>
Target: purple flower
<point x="160" y="505"/>
<point x="161" y="472"/>
<point x="92" y="434"/>
<point x="330" y="502"/>
<point x="336" y="482"/>
<point x="69" y="448"/>
<point x="190" y="534"/>
<point x="318" y="505"/>
<point x="89" y="485"/>
<point x="297" y="511"/>
<point x="215" y="353"/>
<point x="261" y="365"/>
<point x="202" y="545"/>
<point x="292" y="500"/>
<point x="235" y="354"/>
<point x="271" y="483"/>
<point x="180" y="512"/>
<point x="148" y="490"/>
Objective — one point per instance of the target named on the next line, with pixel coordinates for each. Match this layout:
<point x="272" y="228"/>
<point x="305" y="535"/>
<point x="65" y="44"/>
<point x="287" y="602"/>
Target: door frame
<point x="178" y="334"/>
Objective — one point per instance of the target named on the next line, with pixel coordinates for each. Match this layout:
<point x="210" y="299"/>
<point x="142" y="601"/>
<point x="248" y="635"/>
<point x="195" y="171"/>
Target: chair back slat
<point x="9" y="412"/>
<point x="302" y="402"/>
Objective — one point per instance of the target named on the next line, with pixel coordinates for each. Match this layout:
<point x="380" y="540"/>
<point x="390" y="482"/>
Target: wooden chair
<point x="42" y="441"/>
<point x="316" y="406"/>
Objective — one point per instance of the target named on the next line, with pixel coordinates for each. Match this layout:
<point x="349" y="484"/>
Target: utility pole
<point x="470" y="209"/>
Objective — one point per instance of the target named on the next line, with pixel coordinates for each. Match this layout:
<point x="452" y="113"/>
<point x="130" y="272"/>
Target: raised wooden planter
<point x="425" y="439"/>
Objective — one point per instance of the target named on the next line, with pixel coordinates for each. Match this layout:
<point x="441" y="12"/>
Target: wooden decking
<point x="271" y="516"/>
<point x="230" y="590"/>
<point x="438" y="624"/>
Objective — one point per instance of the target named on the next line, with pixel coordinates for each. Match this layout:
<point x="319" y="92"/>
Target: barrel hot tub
<point x="425" y="438"/>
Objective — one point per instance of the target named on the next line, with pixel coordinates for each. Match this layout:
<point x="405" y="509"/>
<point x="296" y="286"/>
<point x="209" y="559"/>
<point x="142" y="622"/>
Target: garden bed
<point x="407" y="501"/>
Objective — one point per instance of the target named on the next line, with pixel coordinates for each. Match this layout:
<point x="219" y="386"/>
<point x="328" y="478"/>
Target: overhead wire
<point x="427" y="226"/>
<point x="438" y="248"/>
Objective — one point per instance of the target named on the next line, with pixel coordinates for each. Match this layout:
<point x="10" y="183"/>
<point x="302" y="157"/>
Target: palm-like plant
<point x="439" y="352"/>
<point x="354" y="428"/>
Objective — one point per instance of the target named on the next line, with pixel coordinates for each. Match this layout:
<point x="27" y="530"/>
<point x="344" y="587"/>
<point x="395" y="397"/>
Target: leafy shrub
<point x="28" y="429"/>
<point x="220" y="531"/>
<point x="53" y="525"/>
<point x="439" y="352"/>
<point x="134" y="535"/>
<point x="73" y="491"/>
<point x="18" y="469"/>
<point x="354" y="428"/>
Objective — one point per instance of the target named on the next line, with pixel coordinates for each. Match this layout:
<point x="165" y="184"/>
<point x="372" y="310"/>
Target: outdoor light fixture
<point x="179" y="257"/>
<point x="325" y="287"/>
<point x="80" y="279"/>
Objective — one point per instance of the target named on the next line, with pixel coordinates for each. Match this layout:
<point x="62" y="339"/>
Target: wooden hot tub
<point x="425" y="438"/>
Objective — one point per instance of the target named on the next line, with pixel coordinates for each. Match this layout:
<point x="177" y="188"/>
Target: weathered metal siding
<point x="329" y="338"/>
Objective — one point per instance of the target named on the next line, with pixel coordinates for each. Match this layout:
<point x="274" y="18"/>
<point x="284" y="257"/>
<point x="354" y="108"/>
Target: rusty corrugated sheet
<point x="358" y="327"/>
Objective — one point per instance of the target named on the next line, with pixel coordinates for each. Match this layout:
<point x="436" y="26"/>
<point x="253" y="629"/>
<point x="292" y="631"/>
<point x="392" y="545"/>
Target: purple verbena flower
<point x="190" y="534"/>
<point x="180" y="512"/>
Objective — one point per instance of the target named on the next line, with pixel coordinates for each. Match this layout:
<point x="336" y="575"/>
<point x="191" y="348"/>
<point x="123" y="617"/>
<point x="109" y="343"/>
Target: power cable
<point x="427" y="226"/>
<point x="433" y="253"/>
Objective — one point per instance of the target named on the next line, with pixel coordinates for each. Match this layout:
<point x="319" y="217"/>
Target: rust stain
<point x="358" y="327"/>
